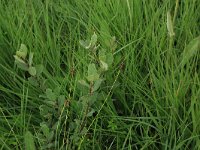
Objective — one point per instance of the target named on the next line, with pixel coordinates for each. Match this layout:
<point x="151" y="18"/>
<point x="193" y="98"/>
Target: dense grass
<point x="152" y="100"/>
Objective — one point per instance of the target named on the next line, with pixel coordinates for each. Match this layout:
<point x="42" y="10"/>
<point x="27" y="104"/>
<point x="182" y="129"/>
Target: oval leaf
<point x="102" y="55"/>
<point x="39" y="69"/>
<point x="32" y="71"/>
<point x="22" y="51"/>
<point x="45" y="129"/>
<point x="109" y="59"/>
<point x="50" y="94"/>
<point x="104" y="66"/>
<point x="84" y="83"/>
<point x="21" y="54"/>
<point x="92" y="73"/>
<point x="97" y="84"/>
<point x="93" y="40"/>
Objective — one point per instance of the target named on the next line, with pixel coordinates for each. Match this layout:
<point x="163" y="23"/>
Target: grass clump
<point x="99" y="74"/>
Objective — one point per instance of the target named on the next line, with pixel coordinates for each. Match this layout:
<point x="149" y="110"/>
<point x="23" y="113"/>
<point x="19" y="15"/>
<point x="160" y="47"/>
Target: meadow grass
<point x="152" y="92"/>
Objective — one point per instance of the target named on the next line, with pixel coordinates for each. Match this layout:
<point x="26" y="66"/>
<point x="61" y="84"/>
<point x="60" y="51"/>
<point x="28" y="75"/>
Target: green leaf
<point x="23" y="48"/>
<point x="113" y="44"/>
<point x="109" y="59"/>
<point x="39" y="69"/>
<point x="32" y="71"/>
<point x="97" y="84"/>
<point x="85" y="44"/>
<point x="102" y="55"/>
<point x="105" y="32"/>
<point x="51" y="136"/>
<point x="22" y="52"/>
<point x="92" y="73"/>
<point x="84" y="131"/>
<point x="29" y="141"/>
<point x="45" y="129"/>
<point x="33" y="81"/>
<point x="112" y="125"/>
<point x="104" y="65"/>
<point x="43" y="110"/>
<point x="57" y="90"/>
<point x="91" y="113"/>
<point x="30" y="60"/>
<point x="191" y="49"/>
<point x="18" y="59"/>
<point x="50" y="94"/>
<point x="84" y="83"/>
<point x="20" y="63"/>
<point x="61" y="101"/>
<point x="83" y="86"/>
<point x="93" y="40"/>
<point x="106" y="59"/>
<point x="93" y="98"/>
<point x="90" y="44"/>
<point x="89" y="98"/>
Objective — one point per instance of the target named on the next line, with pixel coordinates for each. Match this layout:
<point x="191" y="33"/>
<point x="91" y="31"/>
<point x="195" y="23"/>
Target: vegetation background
<point x="149" y="98"/>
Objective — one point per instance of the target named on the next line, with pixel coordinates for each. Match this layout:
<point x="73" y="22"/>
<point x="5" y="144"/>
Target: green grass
<point x="151" y="98"/>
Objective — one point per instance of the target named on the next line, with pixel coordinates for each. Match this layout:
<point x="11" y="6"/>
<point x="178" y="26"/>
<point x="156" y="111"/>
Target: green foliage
<point x="22" y="52"/>
<point x="29" y="141"/>
<point x="32" y="71"/>
<point x="92" y="73"/>
<point x="50" y="95"/>
<point x="90" y="89"/>
<point x="91" y="44"/>
<point x="27" y="64"/>
<point x="138" y="89"/>
<point x="191" y="50"/>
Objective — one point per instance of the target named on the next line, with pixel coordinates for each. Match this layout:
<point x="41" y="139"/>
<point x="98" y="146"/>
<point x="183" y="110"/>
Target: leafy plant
<point x="26" y="64"/>
<point x="90" y="87"/>
<point x="54" y="102"/>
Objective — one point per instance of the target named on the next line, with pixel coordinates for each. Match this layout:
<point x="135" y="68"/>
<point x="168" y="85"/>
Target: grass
<point x="151" y="98"/>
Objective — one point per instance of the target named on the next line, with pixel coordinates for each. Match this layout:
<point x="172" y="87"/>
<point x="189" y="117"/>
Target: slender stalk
<point x="176" y="10"/>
